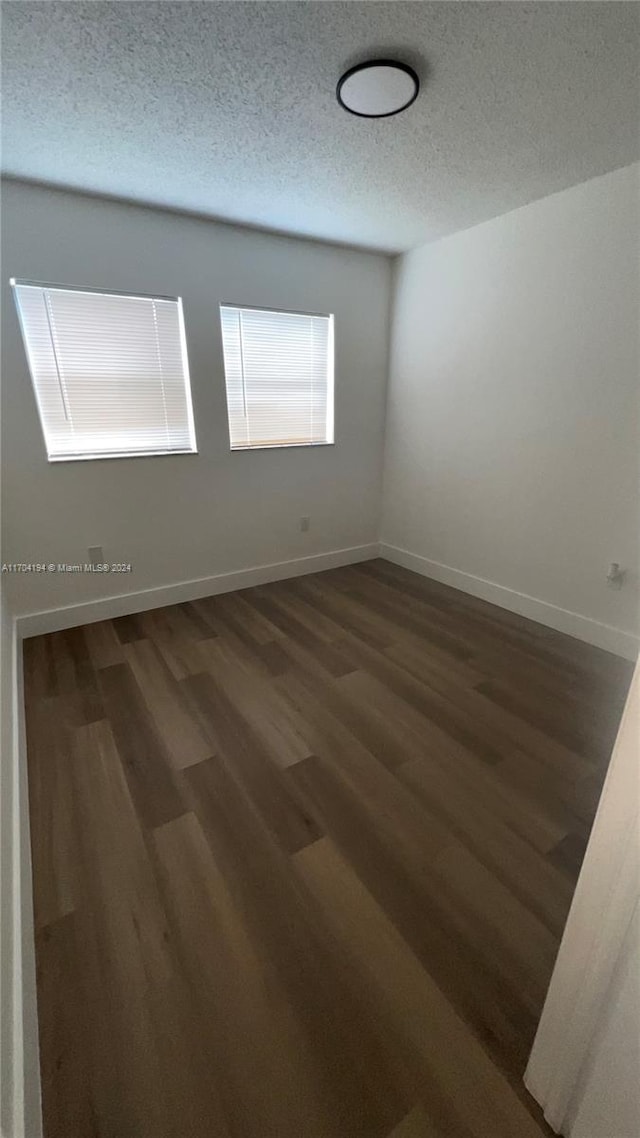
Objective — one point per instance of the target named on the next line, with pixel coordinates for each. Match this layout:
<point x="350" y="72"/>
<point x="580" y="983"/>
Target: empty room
<point x="320" y="765"/>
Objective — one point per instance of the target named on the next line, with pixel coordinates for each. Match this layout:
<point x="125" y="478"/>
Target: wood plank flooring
<point x="302" y="857"/>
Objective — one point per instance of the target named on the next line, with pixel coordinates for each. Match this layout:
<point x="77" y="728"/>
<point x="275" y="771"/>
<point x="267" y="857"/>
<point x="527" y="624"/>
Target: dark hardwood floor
<point x="302" y="856"/>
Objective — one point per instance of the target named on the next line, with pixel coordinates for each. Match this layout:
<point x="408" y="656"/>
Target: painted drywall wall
<point x="583" y="1068"/>
<point x="6" y="870"/>
<point x="180" y="517"/>
<point x="512" y="447"/>
<point x="607" y="1102"/>
<point x="20" y="1111"/>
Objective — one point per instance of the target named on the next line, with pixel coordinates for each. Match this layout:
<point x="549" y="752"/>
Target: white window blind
<point x="279" y="376"/>
<point x="110" y="372"/>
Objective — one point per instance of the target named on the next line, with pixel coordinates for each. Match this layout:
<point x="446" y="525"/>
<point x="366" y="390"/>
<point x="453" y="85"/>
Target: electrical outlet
<point x="615" y="576"/>
<point x="96" y="556"/>
<point x="304" y="524"/>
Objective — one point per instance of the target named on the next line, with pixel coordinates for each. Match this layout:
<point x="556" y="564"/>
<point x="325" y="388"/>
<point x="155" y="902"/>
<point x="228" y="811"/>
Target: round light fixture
<point x="377" y="89"/>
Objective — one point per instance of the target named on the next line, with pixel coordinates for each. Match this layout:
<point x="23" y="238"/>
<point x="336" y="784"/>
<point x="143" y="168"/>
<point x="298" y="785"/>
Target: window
<point x="279" y="375"/>
<point x="109" y="371"/>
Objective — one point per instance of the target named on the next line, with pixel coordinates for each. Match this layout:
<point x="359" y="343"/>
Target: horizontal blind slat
<point x="110" y="372"/>
<point x="279" y="376"/>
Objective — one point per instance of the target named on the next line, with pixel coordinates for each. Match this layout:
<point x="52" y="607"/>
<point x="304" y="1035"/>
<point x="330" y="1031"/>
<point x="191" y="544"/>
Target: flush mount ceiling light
<point x="377" y="89"/>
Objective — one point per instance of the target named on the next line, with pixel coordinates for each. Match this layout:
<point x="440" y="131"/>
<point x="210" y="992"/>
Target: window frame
<point x="62" y="458"/>
<point x="330" y="316"/>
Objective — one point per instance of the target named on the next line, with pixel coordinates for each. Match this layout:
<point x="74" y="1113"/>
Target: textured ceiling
<point x="228" y="109"/>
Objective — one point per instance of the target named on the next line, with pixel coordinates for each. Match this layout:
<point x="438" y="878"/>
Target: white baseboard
<point x="605" y="636"/>
<point x="562" y="620"/>
<point x="105" y="608"/>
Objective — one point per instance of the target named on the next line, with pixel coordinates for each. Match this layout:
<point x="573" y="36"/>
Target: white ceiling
<point x="229" y="109"/>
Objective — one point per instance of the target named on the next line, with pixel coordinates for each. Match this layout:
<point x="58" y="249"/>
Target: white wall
<point x="607" y="1103"/>
<point x="584" y="1068"/>
<point x="6" y="870"/>
<point x="512" y="446"/>
<point x="20" y="1114"/>
<point x="182" y="517"/>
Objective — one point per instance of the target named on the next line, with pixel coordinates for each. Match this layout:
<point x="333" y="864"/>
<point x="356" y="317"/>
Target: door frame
<point x="602" y="909"/>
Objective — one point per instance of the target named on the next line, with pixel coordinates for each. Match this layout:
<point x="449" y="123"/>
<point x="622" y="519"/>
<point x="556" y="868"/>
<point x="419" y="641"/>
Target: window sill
<point x="121" y="454"/>
<point x="281" y="446"/>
